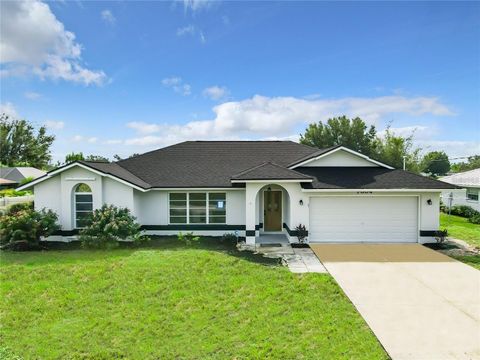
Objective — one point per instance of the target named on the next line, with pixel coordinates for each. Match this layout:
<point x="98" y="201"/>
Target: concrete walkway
<point x="304" y="260"/>
<point x="419" y="303"/>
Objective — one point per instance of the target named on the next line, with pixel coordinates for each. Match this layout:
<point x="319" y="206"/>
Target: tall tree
<point x="21" y="145"/>
<point x="472" y="163"/>
<point x="74" y="157"/>
<point x="352" y="133"/>
<point x="392" y="150"/>
<point x="435" y="163"/>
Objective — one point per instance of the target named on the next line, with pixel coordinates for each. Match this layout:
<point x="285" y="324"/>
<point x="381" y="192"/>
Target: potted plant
<point x="302" y="233"/>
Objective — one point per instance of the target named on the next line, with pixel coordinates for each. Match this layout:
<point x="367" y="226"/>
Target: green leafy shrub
<point x="474" y="219"/>
<point x="14" y="208"/>
<point x="301" y="233"/>
<point x="109" y="225"/>
<point x="21" y="227"/>
<point x="188" y="238"/>
<point x="463" y="211"/>
<point x="230" y="238"/>
<point x="14" y="193"/>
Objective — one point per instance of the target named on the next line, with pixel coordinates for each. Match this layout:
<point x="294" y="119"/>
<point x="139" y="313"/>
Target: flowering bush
<point x="109" y="225"/>
<point x="22" y="226"/>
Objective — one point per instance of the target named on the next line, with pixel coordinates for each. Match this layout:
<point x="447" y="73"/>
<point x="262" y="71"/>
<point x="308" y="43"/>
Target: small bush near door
<point x="109" y="225"/>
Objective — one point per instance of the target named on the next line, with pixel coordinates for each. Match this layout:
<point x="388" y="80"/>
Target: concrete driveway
<point x="419" y="303"/>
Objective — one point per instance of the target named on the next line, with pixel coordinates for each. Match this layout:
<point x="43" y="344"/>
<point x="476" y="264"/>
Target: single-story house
<point x="11" y="177"/>
<point x="251" y="188"/>
<point x="467" y="194"/>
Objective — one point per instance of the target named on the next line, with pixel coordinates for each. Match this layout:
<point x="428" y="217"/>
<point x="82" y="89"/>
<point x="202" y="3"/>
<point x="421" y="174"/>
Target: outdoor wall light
<point x="429" y="201"/>
<point x="301" y="202"/>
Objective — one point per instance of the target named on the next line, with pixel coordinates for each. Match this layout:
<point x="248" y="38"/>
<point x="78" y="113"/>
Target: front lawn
<point x="171" y="301"/>
<point x="459" y="228"/>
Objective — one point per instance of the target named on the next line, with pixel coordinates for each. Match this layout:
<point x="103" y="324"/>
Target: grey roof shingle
<point x="368" y="178"/>
<point x="210" y="163"/>
<point x="117" y="171"/>
<point x="270" y="170"/>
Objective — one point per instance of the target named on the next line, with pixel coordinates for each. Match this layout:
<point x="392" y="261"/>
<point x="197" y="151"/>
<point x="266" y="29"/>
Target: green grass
<point x="459" y="228"/>
<point x="169" y="301"/>
<point x="472" y="260"/>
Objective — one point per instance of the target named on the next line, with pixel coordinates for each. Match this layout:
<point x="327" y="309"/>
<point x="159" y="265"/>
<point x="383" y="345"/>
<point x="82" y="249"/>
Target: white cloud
<point x="8" y="109"/>
<point x="113" y="142"/>
<point x="186" y="30"/>
<point x="108" y="17"/>
<point x="280" y="117"/>
<point x="215" y="92"/>
<point x="196" y="5"/>
<point x="452" y="148"/>
<point x="56" y="125"/>
<point x="34" y="41"/>
<point x="203" y="39"/>
<point x="177" y="85"/>
<point x="80" y="138"/>
<point x="31" y="95"/>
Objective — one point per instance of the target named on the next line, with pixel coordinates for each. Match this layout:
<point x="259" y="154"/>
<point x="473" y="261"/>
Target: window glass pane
<point x="178" y="196"/>
<point x="215" y="212"/>
<point x="198" y="204"/>
<point x="217" y="220"/>
<point x="84" y="198"/>
<point x="83" y="215"/>
<point x="216" y="196"/>
<point x="178" y="212"/>
<point x="198" y="219"/>
<point x="178" y="204"/>
<point x="178" y="220"/>
<point x="84" y="206"/>
<point x="81" y="223"/>
<point x="198" y="196"/>
<point x="83" y="188"/>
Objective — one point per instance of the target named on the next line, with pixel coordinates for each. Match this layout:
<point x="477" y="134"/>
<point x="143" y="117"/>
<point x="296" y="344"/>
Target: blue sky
<point x="124" y="77"/>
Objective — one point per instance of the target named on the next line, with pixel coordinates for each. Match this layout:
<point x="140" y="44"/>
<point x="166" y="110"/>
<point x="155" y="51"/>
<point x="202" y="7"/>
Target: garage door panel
<point x="364" y="219"/>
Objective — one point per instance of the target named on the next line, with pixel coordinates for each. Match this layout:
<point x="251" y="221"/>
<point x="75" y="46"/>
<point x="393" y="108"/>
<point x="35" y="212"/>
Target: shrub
<point x="301" y="233"/>
<point x="443" y="207"/>
<point x="474" y="219"/>
<point x="463" y="211"/>
<point x="21" y="227"/>
<point x="229" y="238"/>
<point x="14" y="208"/>
<point x="109" y="225"/>
<point x="14" y="193"/>
<point x="188" y="238"/>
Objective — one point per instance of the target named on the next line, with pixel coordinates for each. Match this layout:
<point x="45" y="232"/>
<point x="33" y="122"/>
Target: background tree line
<point x="22" y="144"/>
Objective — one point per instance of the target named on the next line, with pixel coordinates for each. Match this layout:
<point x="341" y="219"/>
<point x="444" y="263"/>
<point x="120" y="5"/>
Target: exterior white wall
<point x="459" y="197"/>
<point x="118" y="194"/>
<point x="235" y="207"/>
<point x="46" y="195"/>
<point x="341" y="158"/>
<point x="151" y="207"/>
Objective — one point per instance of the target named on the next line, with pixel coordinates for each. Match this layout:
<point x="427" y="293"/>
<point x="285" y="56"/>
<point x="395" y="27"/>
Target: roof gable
<point x="270" y="171"/>
<point x="338" y="156"/>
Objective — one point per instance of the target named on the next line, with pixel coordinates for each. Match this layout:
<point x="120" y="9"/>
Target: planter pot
<point x="299" y="245"/>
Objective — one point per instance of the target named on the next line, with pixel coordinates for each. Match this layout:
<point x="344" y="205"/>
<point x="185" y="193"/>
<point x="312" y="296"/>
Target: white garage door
<point x="363" y="219"/>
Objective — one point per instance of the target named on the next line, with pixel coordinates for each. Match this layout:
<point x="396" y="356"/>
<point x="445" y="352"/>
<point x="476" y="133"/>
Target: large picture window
<point x="198" y="208"/>
<point x="83" y="205"/>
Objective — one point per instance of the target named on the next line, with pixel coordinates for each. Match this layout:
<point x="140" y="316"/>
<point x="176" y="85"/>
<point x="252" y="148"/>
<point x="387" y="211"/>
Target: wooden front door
<point x="272" y="205"/>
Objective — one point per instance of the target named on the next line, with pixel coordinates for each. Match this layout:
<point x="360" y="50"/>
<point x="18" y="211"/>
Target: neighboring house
<point x="13" y="176"/>
<point x="469" y="181"/>
<point x="251" y="187"/>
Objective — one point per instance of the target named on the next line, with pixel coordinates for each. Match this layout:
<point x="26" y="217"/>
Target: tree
<point x="435" y="163"/>
<point x="353" y="134"/>
<point x="392" y="150"/>
<point x="96" y="158"/>
<point x="21" y="146"/>
<point x="74" y="157"/>
<point x="117" y="157"/>
<point x="472" y="163"/>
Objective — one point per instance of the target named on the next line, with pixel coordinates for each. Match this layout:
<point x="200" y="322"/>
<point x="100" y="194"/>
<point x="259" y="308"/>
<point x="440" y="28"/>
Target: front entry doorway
<point x="272" y="210"/>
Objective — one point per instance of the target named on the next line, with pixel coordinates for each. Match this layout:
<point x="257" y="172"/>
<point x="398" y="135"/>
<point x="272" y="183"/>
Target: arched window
<point x="83" y="205"/>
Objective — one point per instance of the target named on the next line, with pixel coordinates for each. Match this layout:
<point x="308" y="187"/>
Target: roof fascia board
<point x="371" y="190"/>
<point x="275" y="180"/>
<point x="345" y="149"/>
<point x="69" y="166"/>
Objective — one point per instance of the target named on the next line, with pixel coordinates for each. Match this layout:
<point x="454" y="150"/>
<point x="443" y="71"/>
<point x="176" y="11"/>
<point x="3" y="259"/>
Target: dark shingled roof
<point x="210" y="163"/>
<point x="117" y="171"/>
<point x="270" y="170"/>
<point x="368" y="178"/>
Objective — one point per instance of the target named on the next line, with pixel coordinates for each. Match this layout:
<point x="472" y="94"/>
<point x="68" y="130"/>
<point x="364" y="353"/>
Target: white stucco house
<point x="252" y="188"/>
<point x="468" y="191"/>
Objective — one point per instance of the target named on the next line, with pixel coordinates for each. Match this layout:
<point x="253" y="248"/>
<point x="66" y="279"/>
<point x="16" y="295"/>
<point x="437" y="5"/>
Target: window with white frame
<point x="198" y="208"/>
<point x="472" y="194"/>
<point x="83" y="205"/>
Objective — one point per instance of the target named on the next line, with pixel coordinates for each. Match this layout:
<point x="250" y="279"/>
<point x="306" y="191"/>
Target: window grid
<point x="77" y="196"/>
<point x="208" y="217"/>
